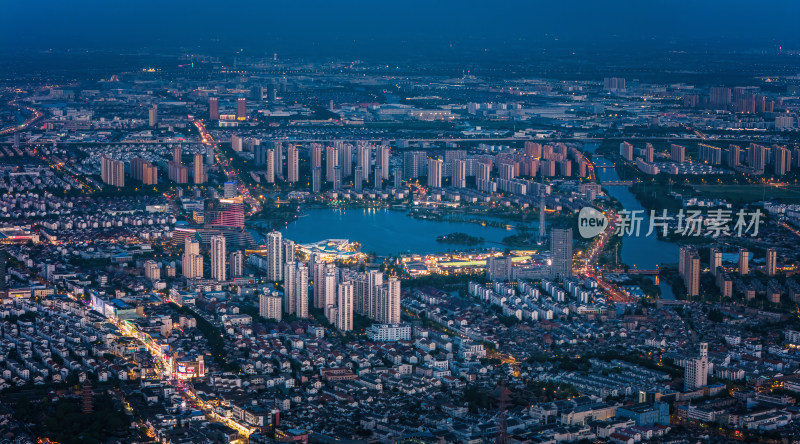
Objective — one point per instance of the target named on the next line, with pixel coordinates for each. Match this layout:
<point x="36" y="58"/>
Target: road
<point x="588" y="268"/>
<point x="230" y="173"/>
<point x="35" y="115"/>
<point x="163" y="365"/>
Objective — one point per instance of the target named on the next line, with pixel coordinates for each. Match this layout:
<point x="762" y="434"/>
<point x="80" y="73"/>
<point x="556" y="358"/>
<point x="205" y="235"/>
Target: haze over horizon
<point x="357" y="28"/>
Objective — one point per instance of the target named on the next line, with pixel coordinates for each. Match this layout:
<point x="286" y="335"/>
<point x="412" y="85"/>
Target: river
<point x="642" y="252"/>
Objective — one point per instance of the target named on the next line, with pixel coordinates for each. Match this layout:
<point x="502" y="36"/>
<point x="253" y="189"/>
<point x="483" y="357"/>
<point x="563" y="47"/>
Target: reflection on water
<point x="387" y="232"/>
<point x="641" y="252"/>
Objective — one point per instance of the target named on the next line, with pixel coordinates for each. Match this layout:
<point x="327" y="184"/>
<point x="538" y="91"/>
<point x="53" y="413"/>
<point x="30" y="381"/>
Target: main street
<point x="593" y="254"/>
<point x="225" y="164"/>
<point x="35" y="115"/>
<point x="163" y="366"/>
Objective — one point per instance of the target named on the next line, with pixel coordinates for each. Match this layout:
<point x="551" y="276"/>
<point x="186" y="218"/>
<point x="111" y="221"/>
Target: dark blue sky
<point x="348" y="27"/>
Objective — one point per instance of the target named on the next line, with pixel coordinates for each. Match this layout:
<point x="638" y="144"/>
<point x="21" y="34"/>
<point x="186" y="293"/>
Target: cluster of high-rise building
<point x="758" y="157"/>
<point x="144" y="171"/>
<point x="337" y="292"/>
<point x="176" y="170"/>
<point x="344" y="160"/>
<point x="363" y="164"/>
<point x="689" y="268"/>
<point x="223" y="265"/>
<point x="533" y="160"/>
<point x="740" y="99"/>
<point x="112" y="171"/>
<point x="271" y="155"/>
<point x="755" y="159"/>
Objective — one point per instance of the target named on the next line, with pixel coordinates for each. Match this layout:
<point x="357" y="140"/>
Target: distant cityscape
<point x="228" y="247"/>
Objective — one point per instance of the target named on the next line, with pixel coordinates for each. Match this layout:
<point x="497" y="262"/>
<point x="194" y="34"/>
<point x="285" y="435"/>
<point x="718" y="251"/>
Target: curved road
<point x="35" y="115"/>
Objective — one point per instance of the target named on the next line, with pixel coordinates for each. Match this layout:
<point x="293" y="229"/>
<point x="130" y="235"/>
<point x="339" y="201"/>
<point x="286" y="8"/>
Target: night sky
<point x="334" y="28"/>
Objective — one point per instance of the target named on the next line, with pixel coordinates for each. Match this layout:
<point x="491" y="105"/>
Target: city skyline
<point x="376" y="222"/>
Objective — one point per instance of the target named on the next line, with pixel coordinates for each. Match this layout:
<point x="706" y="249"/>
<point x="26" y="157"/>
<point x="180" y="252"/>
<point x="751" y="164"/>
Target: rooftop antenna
<point x="541" y="217"/>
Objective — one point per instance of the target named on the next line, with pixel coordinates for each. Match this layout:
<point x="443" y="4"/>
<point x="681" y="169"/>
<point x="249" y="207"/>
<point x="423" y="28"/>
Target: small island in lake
<point x="459" y="238"/>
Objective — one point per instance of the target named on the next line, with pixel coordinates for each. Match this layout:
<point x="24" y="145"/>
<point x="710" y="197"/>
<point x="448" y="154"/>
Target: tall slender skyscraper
<point x="153" y="116"/>
<point x="363" y="156"/>
<point x="316" y="179"/>
<point x="345" y="158"/>
<point x="218" y="257"/>
<point x="459" y="173"/>
<point x="292" y="164"/>
<point x="315" y="154"/>
<point x="199" y="169"/>
<point x="772" y="261"/>
<point x="192" y="261"/>
<point x="692" y="274"/>
<point x="269" y="173"/>
<point x="382" y="160"/>
<point x="337" y="178"/>
<point x="329" y="290"/>
<point x="378" y="178"/>
<point x="289" y="251"/>
<point x="241" y="108"/>
<point x="397" y="176"/>
<point x="344" y="305"/>
<point x="318" y="275"/>
<point x="393" y="301"/>
<point x="483" y="177"/>
<point x="274" y="256"/>
<point x="561" y="253"/>
<point x="213" y="108"/>
<point x="715" y="261"/>
<point x="331" y="162"/>
<point x="278" y="153"/>
<point x="435" y="173"/>
<point x="301" y="291"/>
<point x="236" y="260"/>
<point x="374" y="282"/>
<point x="289" y="291"/>
<point x="744" y="261"/>
<point x="542" y="208"/>
<point x="358" y="179"/>
<point x="683" y="253"/>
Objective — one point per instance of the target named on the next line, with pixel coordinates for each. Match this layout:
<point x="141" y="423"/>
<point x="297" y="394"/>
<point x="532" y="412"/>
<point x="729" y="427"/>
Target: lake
<point x="386" y="231"/>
